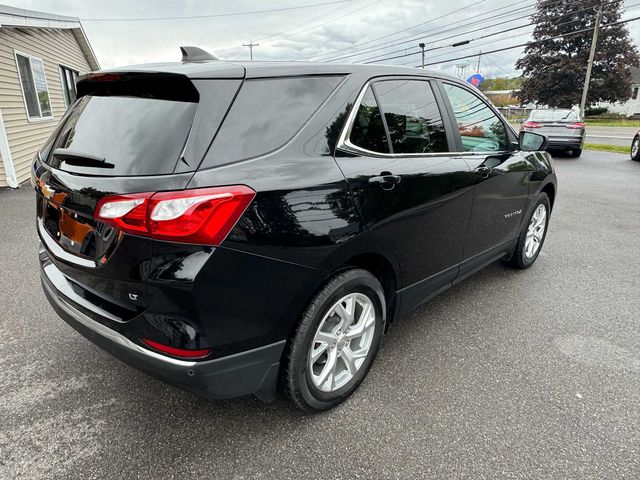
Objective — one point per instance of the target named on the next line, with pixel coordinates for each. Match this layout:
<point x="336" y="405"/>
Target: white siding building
<point x="41" y="56"/>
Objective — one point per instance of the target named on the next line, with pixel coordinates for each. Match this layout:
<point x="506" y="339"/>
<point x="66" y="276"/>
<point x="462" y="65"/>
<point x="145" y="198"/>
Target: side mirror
<point x="532" y="142"/>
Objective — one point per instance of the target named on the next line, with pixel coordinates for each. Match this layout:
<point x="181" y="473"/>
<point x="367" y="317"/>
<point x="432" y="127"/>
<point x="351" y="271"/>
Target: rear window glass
<point x="266" y="114"/>
<point x="554" y="116"/>
<point x="134" y="136"/>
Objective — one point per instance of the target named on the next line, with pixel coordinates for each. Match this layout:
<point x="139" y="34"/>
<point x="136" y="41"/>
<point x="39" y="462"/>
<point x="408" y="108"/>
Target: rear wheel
<point x="576" y="152"/>
<point x="336" y="341"/>
<point x="533" y="234"/>
<point x="635" y="149"/>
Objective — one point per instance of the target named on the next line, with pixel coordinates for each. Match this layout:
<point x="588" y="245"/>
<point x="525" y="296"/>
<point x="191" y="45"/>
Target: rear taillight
<point x="203" y="215"/>
<point x="531" y="124"/>
<point x="576" y="125"/>
<point x="177" y="352"/>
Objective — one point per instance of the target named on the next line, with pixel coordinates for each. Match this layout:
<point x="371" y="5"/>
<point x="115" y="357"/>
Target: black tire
<point x="635" y="143"/>
<point x="296" y="380"/>
<point x="519" y="258"/>
<point x="576" y="152"/>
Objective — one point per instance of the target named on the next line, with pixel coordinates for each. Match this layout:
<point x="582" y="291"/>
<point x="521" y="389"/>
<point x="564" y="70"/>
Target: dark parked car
<point x="563" y="128"/>
<point x="227" y="227"/>
<point x="635" y="148"/>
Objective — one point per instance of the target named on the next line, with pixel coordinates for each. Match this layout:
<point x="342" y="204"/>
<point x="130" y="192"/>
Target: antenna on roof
<point x="195" y="54"/>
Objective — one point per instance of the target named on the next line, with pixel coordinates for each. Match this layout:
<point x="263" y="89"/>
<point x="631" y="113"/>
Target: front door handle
<point x="386" y="180"/>
<point x="483" y="171"/>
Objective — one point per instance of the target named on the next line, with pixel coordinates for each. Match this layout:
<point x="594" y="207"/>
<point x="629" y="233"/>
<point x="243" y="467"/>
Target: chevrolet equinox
<point x="231" y="228"/>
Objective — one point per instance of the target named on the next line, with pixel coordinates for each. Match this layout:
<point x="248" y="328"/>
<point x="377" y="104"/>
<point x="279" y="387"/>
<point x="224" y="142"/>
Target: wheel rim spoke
<point x="535" y="231"/>
<point x="342" y="342"/>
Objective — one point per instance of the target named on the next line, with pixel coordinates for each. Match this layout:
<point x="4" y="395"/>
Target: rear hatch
<point x="557" y="125"/>
<point x="127" y="132"/>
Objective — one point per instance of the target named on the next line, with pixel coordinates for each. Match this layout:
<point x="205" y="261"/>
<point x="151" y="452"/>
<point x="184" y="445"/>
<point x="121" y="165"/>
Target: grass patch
<point x="604" y="122"/>
<point x="607" y="148"/>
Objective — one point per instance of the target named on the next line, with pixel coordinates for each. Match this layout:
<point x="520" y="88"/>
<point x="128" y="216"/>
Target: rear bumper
<point x="250" y="372"/>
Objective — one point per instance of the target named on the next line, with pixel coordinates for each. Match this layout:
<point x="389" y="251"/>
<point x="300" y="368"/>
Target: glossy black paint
<point x="316" y="211"/>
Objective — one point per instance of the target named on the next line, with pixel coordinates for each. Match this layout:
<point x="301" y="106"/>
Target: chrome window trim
<point x="344" y="143"/>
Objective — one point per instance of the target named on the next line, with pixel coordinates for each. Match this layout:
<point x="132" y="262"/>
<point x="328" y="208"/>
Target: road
<point x="511" y="374"/>
<point x="611" y="135"/>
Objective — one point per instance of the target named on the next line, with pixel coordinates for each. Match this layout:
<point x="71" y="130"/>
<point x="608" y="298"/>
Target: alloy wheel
<point x="342" y="342"/>
<point x="535" y="231"/>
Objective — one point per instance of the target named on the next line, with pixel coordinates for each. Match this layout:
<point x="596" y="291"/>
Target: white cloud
<point x="336" y="27"/>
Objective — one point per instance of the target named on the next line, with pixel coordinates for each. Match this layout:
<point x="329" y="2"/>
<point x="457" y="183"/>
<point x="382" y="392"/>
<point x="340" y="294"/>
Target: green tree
<point x="554" y="70"/>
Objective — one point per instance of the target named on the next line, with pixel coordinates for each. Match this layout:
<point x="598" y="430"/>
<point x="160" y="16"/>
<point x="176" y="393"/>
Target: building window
<point x="34" y="86"/>
<point x="68" y="78"/>
<point x="635" y="93"/>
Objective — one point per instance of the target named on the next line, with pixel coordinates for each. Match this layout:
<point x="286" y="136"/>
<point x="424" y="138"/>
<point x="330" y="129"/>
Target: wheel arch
<point x="550" y="190"/>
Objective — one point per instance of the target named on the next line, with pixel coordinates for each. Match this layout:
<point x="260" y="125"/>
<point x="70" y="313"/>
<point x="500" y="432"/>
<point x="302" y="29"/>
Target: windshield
<point x="134" y="136"/>
<point x="554" y="116"/>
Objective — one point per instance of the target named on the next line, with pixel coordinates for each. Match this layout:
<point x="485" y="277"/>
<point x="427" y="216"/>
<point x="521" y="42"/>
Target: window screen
<point x="34" y="86"/>
<point x="412" y="116"/>
<point x="68" y="78"/>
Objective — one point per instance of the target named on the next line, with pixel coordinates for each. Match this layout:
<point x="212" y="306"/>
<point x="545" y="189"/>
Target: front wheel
<point x="336" y="341"/>
<point x="533" y="234"/>
<point x="635" y="149"/>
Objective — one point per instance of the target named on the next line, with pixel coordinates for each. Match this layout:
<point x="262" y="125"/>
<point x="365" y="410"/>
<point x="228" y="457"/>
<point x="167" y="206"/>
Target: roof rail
<point x="195" y="54"/>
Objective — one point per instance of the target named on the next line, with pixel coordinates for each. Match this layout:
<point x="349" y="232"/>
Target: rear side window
<point x="266" y="114"/>
<point x="134" y="136"/>
<point x="412" y="116"/>
<point x="368" y="129"/>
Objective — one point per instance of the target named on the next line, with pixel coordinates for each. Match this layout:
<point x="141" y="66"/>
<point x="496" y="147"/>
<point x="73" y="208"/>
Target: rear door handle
<point x="386" y="180"/>
<point x="483" y="171"/>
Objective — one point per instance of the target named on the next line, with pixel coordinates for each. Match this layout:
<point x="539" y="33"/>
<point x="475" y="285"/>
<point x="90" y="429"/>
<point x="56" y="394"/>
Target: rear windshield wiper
<point x="80" y="159"/>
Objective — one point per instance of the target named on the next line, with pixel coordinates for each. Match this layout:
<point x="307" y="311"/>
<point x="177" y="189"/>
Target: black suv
<point x="231" y="227"/>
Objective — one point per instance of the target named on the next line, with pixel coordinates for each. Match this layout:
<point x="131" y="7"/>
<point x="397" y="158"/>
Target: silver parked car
<point x="563" y="128"/>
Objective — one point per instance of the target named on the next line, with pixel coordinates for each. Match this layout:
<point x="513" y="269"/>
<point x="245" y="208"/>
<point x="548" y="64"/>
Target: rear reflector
<point x="202" y="216"/>
<point x="531" y="124"/>
<point x="576" y="125"/>
<point x="177" y="352"/>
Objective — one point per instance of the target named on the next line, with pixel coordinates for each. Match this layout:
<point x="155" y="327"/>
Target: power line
<point x="535" y="42"/>
<point x="193" y="17"/>
<point x="394" y="33"/>
<point x="377" y="59"/>
<point x="413" y="38"/>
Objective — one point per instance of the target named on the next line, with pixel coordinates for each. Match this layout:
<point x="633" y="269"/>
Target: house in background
<point x="631" y="107"/>
<point x="41" y="55"/>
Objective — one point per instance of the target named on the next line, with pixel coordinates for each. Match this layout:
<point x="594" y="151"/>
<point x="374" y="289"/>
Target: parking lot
<point x="511" y="374"/>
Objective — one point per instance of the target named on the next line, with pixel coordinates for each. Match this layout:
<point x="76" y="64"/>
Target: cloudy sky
<point x="345" y="31"/>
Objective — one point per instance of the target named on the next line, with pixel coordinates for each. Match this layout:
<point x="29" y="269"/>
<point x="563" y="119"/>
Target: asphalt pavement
<point x="511" y="374"/>
<point x="622" y="136"/>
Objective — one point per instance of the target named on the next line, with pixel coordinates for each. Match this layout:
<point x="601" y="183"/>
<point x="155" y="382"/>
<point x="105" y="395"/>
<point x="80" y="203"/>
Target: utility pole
<point x="422" y="45"/>
<point x="479" y="57"/>
<point x="251" y="45"/>
<point x="592" y="54"/>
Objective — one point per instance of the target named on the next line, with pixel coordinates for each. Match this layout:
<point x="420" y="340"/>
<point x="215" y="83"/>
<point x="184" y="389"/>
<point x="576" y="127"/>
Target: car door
<point x="414" y="194"/>
<point x="501" y="174"/>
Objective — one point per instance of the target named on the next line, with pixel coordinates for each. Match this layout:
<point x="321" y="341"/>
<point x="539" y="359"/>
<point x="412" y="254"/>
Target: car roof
<point x="228" y="69"/>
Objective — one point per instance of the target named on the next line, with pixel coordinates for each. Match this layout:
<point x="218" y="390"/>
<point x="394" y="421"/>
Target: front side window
<point x="480" y="128"/>
<point x="34" y="86"/>
<point x="68" y="78"/>
<point x="412" y="116"/>
<point x="368" y="129"/>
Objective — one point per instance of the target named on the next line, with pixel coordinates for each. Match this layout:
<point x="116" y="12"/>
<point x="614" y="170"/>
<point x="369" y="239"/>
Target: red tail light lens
<point x="177" y="352"/>
<point x="576" y="125"/>
<point x="203" y="216"/>
<point x="531" y="124"/>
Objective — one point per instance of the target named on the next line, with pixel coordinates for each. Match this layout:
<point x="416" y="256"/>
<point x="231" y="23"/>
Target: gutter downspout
<point x="7" y="160"/>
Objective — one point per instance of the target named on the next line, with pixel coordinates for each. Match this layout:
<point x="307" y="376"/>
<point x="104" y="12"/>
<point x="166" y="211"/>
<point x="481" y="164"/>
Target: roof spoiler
<point x="195" y="54"/>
